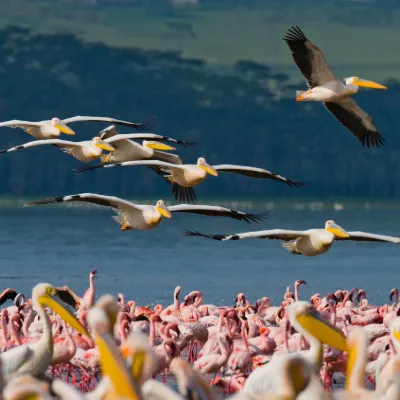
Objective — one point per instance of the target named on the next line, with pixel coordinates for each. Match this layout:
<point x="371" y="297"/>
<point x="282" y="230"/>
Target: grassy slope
<point x="364" y="43"/>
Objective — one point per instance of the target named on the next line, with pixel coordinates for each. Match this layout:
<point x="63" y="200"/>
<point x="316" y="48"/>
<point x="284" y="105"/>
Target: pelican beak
<point x="163" y="210"/>
<point x="137" y="360"/>
<point x="104" y="145"/>
<point x="352" y="357"/>
<point x="338" y="231"/>
<point x="208" y="168"/>
<point x="114" y="368"/>
<point x="64" y="129"/>
<point x="323" y="331"/>
<point x="51" y="301"/>
<point x="369" y="84"/>
<point x="159" y="146"/>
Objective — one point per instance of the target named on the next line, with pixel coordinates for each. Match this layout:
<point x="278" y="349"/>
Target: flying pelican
<point x="88" y="150"/>
<point x="309" y="323"/>
<point x="144" y="217"/>
<point x="184" y="177"/>
<point x="128" y="150"/>
<point x="85" y="151"/>
<point x="35" y="358"/>
<point x="323" y="86"/>
<point x="311" y="242"/>
<point x="51" y="129"/>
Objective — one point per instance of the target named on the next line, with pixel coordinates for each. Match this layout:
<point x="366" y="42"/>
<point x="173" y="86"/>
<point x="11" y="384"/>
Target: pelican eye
<point x="51" y="291"/>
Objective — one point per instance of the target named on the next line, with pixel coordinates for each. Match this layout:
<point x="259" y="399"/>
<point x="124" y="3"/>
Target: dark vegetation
<point x="246" y="115"/>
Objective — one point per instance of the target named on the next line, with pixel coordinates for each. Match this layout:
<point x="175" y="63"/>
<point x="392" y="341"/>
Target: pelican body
<point x="145" y="217"/>
<point x="312" y="242"/>
<point x="334" y="93"/>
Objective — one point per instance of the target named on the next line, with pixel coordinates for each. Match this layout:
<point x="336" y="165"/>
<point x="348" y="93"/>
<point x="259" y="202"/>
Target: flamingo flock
<point x="333" y="346"/>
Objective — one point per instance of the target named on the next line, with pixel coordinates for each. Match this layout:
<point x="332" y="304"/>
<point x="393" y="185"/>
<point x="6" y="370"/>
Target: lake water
<point x="62" y="245"/>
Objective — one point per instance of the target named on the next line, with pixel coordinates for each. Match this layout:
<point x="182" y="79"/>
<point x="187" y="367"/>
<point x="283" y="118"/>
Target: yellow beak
<point x="352" y="358"/>
<point x="338" y="231"/>
<point x="369" y="84"/>
<point x="159" y="146"/>
<point x="113" y="366"/>
<point x="64" y="129"/>
<point x="209" y="169"/>
<point x="323" y="331"/>
<point x="164" y="211"/>
<point x="64" y="313"/>
<point x="104" y="146"/>
<point x="136" y="359"/>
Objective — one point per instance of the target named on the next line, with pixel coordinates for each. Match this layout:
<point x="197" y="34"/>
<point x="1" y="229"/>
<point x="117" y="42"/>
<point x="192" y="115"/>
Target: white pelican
<point x="311" y="242"/>
<point x="121" y="384"/>
<point x="144" y="217"/>
<point x="184" y="177"/>
<point x="85" y="151"/>
<point x="35" y="358"/>
<point x="309" y="323"/>
<point x="128" y="150"/>
<point x="324" y="87"/>
<point x="51" y="129"/>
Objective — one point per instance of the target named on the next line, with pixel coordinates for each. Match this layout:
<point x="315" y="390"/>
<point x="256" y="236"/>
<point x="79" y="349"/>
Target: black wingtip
<point x="146" y="126"/>
<point x="4" y="151"/>
<point x="86" y="168"/>
<point x="45" y="201"/>
<point x="294" y="34"/>
<point x="295" y="184"/>
<point x="371" y="139"/>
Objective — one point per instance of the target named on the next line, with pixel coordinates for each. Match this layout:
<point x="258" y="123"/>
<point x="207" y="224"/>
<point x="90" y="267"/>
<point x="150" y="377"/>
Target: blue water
<point x="62" y="245"/>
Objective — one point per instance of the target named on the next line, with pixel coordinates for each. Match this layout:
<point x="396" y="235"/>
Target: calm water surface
<point x="62" y="245"/>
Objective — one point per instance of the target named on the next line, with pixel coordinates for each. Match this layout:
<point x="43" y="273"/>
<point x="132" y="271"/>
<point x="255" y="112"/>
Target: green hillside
<point x="358" y="38"/>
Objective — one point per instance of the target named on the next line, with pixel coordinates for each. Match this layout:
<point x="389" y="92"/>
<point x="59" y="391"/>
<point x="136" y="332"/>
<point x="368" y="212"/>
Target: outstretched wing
<point x="8" y="294"/>
<point x="357" y="121"/>
<point x="16" y="123"/>
<point x="309" y="58"/>
<point x="369" y="237"/>
<point x="278" y="234"/>
<point x="68" y="296"/>
<point x="139" y="126"/>
<point x="64" y="144"/>
<point x="148" y="136"/>
<point x="256" y="173"/>
<point x="106" y="201"/>
<point x="215" y="211"/>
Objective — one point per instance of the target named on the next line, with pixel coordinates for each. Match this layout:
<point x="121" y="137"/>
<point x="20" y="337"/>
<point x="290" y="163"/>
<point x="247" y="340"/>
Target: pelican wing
<point x="54" y="142"/>
<point x="147" y="136"/>
<point x="68" y="296"/>
<point x="108" y="132"/>
<point x="369" y="237"/>
<point x="8" y="294"/>
<point x="106" y="201"/>
<point x="278" y="234"/>
<point x="350" y="115"/>
<point x="16" y="123"/>
<point x="167" y="157"/>
<point x="309" y="58"/>
<point x="80" y="118"/>
<point x="256" y="173"/>
<point x="215" y="211"/>
<point x="147" y="163"/>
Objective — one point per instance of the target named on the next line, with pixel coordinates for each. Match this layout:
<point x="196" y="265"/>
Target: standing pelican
<point x="311" y="242"/>
<point x="35" y="358"/>
<point x="323" y="86"/>
<point x="50" y="129"/>
<point x="128" y="150"/>
<point x="309" y="323"/>
<point x="184" y="177"/>
<point x="85" y="151"/>
<point x="144" y="217"/>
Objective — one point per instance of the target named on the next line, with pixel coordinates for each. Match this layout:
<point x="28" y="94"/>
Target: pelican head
<point x="58" y="124"/>
<point x="355" y="80"/>
<point x="162" y="209"/>
<point x="302" y="314"/>
<point x="101" y="144"/>
<point x="151" y="144"/>
<point x="337" y="230"/>
<point x="45" y="294"/>
<point x="202" y="163"/>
